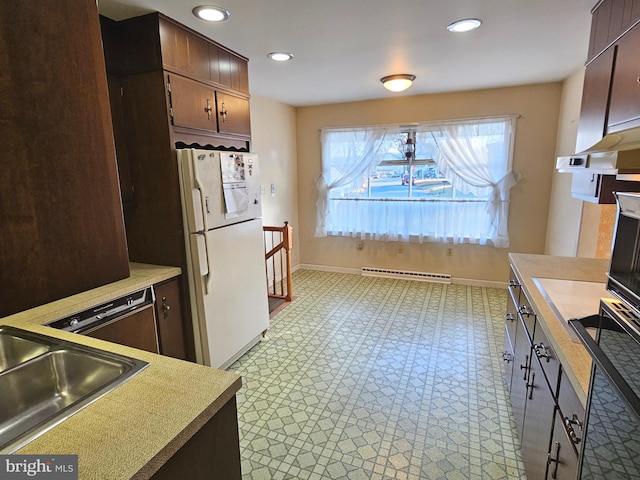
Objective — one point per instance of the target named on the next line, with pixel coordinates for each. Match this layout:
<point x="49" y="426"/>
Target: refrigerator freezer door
<point x="236" y="309"/>
<point x="200" y="173"/>
<point x="210" y="175"/>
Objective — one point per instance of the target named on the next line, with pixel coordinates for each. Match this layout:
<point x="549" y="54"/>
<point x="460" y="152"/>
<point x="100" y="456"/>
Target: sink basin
<point x="48" y="380"/>
<point x="15" y="350"/>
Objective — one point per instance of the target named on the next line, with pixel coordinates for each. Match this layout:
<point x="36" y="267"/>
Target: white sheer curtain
<point x="473" y="157"/>
<point x="347" y="155"/>
<point x="476" y="156"/>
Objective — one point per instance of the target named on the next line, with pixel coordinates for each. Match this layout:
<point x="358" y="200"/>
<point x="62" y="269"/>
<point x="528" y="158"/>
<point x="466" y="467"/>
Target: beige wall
<point x="273" y="135"/>
<point x="565" y="212"/>
<point x="575" y="228"/>
<point x="534" y="158"/>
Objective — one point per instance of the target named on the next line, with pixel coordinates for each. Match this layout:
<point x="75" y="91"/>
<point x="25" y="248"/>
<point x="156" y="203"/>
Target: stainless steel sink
<point x="46" y="380"/>
<point x="15" y="350"/>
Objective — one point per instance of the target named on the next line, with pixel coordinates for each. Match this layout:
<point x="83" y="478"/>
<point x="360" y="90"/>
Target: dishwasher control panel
<point x="104" y="313"/>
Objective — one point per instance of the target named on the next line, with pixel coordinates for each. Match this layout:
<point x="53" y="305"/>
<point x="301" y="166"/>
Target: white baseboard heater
<point x="407" y="275"/>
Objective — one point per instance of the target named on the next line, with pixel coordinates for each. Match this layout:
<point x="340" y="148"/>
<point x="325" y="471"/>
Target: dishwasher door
<point x="136" y="329"/>
<point x="128" y="320"/>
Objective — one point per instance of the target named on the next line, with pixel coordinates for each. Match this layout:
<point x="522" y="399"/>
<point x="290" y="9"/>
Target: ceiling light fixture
<point x="280" y="56"/>
<point x="398" y="83"/>
<point x="211" y="13"/>
<point x="465" y="25"/>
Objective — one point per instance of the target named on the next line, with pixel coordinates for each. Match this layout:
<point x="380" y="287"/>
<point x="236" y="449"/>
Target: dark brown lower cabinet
<point x="171" y="337"/>
<point x="212" y="453"/>
<point x="546" y="409"/>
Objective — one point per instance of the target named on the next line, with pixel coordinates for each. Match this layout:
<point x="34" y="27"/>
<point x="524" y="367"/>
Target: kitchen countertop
<point x="573" y="357"/>
<point x="133" y="430"/>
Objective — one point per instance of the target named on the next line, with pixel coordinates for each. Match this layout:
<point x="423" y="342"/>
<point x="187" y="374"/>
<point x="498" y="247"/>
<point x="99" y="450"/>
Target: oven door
<point x="611" y="435"/>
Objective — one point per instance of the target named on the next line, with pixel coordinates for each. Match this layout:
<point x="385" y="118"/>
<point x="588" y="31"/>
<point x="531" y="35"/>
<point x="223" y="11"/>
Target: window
<point x="453" y="188"/>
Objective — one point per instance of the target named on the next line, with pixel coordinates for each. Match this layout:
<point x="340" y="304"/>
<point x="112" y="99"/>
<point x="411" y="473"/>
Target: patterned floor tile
<point x="364" y="378"/>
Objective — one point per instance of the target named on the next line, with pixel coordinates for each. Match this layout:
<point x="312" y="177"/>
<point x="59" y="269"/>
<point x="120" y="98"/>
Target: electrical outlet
<point x="449" y="252"/>
<point x="359" y="245"/>
<point x="263" y="189"/>
<point x="400" y="249"/>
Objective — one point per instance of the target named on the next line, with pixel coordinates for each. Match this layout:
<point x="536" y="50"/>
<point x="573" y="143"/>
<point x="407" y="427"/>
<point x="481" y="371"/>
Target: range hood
<point x="615" y="142"/>
<point x="616" y="154"/>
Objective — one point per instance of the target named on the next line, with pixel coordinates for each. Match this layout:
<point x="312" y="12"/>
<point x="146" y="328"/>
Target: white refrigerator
<point x="225" y="252"/>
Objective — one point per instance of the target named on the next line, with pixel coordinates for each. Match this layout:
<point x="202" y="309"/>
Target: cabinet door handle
<point x="223" y="113"/>
<point x="165" y="307"/>
<point x="525" y="367"/>
<point x="555" y="461"/>
<point x="208" y="109"/>
<point x="569" y="424"/>
<point x="531" y="385"/>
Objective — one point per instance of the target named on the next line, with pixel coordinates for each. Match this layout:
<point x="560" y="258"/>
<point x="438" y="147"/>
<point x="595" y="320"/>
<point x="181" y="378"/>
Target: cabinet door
<point x="192" y="104"/>
<point x="521" y="366"/>
<point x="600" y="19"/>
<point x="595" y="94"/>
<point x="562" y="459"/>
<point x="625" y="87"/>
<point x="511" y="322"/>
<point x="183" y="51"/>
<point x="538" y="422"/>
<point x="137" y="330"/>
<point x="548" y="361"/>
<point x="233" y="114"/>
<point x="170" y="319"/>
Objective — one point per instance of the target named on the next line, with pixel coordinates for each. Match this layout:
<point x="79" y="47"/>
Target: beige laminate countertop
<point x="133" y="430"/>
<point x="573" y="357"/>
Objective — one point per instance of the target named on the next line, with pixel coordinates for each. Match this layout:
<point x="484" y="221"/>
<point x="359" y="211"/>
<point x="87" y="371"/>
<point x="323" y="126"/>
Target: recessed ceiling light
<point x="465" y="25"/>
<point x="211" y="13"/>
<point x="398" y="83"/>
<point x="280" y="56"/>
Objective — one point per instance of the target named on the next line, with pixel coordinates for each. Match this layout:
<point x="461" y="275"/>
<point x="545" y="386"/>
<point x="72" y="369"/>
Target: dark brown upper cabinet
<point x="62" y="229"/>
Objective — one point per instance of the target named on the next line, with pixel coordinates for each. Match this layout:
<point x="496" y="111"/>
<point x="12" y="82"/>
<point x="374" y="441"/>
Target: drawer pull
<point x="542" y="351"/>
<point x="525" y="310"/>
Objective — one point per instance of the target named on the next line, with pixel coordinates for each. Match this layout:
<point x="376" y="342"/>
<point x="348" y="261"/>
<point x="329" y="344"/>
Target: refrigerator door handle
<point x="204" y="200"/>
<point x="208" y="259"/>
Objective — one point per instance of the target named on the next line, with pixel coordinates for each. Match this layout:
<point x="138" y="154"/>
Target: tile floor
<point x="369" y="378"/>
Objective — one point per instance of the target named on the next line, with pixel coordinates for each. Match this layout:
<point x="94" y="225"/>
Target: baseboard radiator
<point x="407" y="275"/>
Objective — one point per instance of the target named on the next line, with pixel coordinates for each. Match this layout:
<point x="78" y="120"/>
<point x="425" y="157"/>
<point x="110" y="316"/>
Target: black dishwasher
<point x="129" y="320"/>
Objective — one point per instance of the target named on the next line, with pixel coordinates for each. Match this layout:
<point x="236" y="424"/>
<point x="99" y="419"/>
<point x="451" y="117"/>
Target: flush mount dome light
<point x="280" y="56"/>
<point x="465" y="25"/>
<point x="398" y="83"/>
<point x="211" y="13"/>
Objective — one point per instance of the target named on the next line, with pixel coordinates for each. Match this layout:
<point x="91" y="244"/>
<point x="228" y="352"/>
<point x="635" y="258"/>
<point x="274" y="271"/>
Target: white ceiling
<point x="343" y="47"/>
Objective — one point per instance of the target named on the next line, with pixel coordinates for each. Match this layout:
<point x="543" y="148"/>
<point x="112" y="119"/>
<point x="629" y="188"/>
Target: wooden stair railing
<point x="279" y="241"/>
